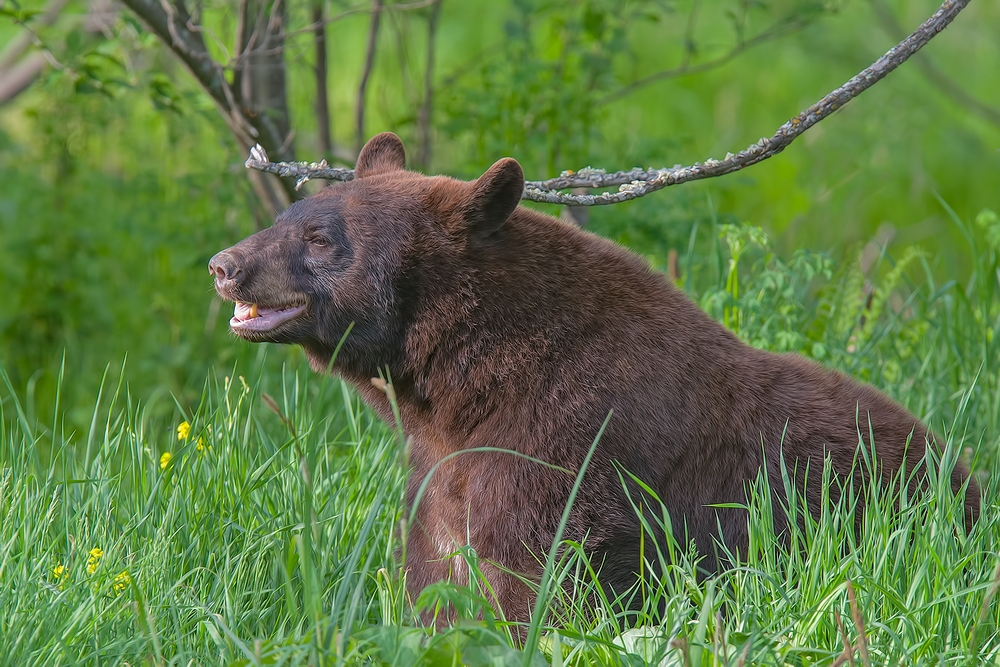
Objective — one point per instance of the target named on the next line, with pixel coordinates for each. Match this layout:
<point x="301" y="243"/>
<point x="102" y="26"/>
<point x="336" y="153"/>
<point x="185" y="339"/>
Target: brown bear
<point x="503" y="327"/>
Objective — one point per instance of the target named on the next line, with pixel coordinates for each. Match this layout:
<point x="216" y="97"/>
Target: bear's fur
<point x="503" y="327"/>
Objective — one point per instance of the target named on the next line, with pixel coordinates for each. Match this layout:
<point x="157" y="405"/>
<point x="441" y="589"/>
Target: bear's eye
<point x="316" y="240"/>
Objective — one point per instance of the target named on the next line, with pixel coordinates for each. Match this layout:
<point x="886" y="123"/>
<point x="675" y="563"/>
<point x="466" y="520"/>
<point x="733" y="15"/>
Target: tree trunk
<point x="259" y="75"/>
<point x="426" y="107"/>
<point x="359" y="109"/>
<point x="322" y="102"/>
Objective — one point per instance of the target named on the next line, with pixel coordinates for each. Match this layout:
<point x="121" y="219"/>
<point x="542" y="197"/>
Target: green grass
<point x="270" y="533"/>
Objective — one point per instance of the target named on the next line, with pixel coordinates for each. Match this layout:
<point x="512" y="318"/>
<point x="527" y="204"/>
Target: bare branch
<point x="184" y="45"/>
<point x="779" y="29"/>
<point x="186" y="42"/>
<point x="301" y="171"/>
<point x="363" y="8"/>
<point x="639" y="182"/>
<point x="359" y="114"/>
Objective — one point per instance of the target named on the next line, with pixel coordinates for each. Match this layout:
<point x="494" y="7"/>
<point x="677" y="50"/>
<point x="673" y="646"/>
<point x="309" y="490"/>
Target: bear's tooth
<point x="253" y="310"/>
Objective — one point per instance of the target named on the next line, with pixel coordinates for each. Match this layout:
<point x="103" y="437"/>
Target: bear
<point x="501" y="327"/>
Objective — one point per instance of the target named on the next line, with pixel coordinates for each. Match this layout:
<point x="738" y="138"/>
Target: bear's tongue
<point x="258" y="318"/>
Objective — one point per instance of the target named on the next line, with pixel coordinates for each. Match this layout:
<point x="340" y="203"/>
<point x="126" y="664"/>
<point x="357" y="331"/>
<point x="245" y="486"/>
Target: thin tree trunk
<point x="262" y="89"/>
<point x="424" y="116"/>
<point x="322" y="101"/>
<point x="359" y="115"/>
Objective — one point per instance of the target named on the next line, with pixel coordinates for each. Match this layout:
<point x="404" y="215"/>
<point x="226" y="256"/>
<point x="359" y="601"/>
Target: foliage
<point x="129" y="189"/>
<point x="538" y="98"/>
<point x="544" y="94"/>
<point x="241" y="543"/>
<point x="110" y="263"/>
<point x="912" y="340"/>
<point x="264" y="530"/>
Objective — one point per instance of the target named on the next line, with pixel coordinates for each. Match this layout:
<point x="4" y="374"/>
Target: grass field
<point x="260" y="524"/>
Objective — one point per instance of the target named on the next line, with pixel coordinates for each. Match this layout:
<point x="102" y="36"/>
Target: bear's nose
<point x="224" y="267"/>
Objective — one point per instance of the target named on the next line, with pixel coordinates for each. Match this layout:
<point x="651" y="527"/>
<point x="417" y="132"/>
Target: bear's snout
<point x="225" y="267"/>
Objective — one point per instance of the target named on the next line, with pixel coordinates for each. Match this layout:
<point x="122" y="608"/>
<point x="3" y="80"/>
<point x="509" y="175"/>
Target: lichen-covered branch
<point x="638" y="182"/>
<point x="300" y="171"/>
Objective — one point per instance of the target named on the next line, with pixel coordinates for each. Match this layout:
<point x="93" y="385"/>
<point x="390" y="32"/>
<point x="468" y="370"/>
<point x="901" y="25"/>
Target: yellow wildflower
<point x="164" y="460"/>
<point x="183" y="431"/>
<point x="61" y="574"/>
<point x="121" y="582"/>
<point x="201" y="445"/>
<point x="94" y="558"/>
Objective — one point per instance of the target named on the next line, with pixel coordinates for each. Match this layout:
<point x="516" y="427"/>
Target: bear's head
<point x="361" y="256"/>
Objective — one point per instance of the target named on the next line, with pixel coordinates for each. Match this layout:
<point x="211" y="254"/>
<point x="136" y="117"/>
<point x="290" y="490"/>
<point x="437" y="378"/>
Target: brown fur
<point x="504" y="327"/>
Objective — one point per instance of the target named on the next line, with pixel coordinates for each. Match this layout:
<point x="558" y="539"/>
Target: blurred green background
<point x="119" y="178"/>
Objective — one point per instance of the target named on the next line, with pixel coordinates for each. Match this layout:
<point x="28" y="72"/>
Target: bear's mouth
<point x="254" y="317"/>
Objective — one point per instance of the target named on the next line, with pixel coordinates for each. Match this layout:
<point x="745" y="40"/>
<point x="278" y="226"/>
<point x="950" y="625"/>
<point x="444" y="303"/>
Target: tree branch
<point x="362" y="8"/>
<point x="182" y="42"/>
<point x="639" y="182"/>
<point x="777" y="30"/>
<point x="17" y="73"/>
<point x="301" y="171"/>
<point x="15" y="79"/>
<point x="187" y="44"/>
<point x="26" y="38"/>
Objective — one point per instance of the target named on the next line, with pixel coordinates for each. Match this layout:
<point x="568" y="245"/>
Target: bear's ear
<point x="383" y="152"/>
<point x="495" y="195"/>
